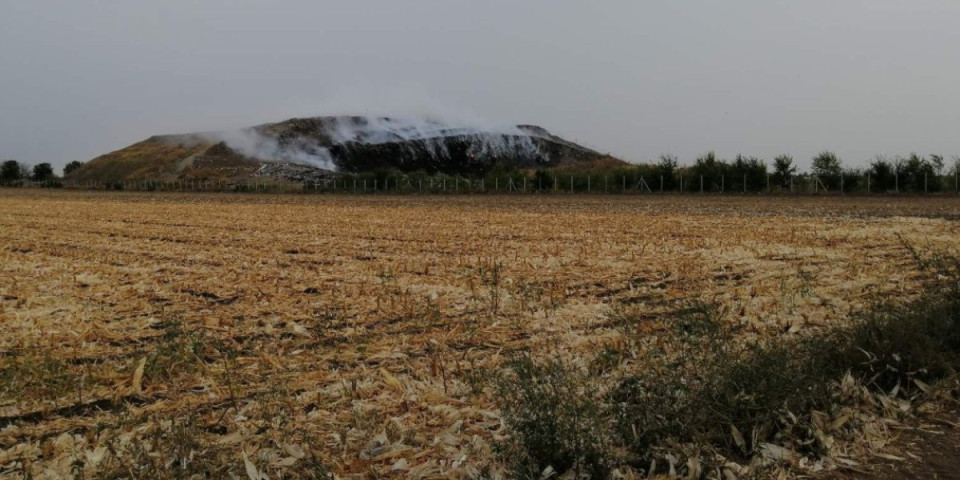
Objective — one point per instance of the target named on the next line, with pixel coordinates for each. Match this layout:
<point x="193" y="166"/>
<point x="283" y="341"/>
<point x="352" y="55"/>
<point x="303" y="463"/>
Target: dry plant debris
<point x="301" y="337"/>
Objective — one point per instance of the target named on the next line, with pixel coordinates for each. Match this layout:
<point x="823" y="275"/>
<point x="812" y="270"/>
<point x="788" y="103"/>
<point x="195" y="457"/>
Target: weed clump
<point x="178" y="351"/>
<point x="36" y="374"/>
<point x="704" y="387"/>
<point x="174" y="448"/>
<point x="710" y="392"/>
<point x="184" y="448"/>
<point x="557" y="420"/>
<point x="895" y="346"/>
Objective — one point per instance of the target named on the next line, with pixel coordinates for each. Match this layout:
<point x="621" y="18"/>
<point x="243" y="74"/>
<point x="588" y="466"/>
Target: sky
<point x="633" y="78"/>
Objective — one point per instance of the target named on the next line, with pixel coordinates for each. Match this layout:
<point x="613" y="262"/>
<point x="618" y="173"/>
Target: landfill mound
<point x="308" y="149"/>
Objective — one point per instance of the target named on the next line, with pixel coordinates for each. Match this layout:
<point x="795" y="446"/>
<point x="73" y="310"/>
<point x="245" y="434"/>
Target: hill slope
<point x="308" y="148"/>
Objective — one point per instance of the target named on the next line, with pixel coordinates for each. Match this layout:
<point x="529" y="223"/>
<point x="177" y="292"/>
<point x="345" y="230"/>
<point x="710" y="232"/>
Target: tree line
<point x="15" y="173"/>
<point x="911" y="173"/>
<point x="709" y="174"/>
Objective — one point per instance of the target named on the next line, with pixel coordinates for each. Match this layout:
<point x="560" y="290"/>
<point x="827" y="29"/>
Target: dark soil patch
<point x="939" y="454"/>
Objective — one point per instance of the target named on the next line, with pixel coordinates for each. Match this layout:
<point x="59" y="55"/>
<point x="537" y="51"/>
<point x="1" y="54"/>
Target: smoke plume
<point x="369" y="116"/>
<point x="430" y="135"/>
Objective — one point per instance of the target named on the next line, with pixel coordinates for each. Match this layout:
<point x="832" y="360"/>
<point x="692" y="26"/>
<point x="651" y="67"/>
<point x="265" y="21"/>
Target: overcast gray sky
<point x="636" y="79"/>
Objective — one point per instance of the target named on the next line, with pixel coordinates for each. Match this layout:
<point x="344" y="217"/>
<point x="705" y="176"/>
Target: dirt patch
<point x="931" y="450"/>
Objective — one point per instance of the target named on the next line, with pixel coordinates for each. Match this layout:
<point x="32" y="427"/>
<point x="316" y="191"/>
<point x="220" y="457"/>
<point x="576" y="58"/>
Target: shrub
<point x="704" y="388"/>
<point x="895" y="345"/>
<point x="759" y="391"/>
<point x="556" y="419"/>
<point x="711" y="388"/>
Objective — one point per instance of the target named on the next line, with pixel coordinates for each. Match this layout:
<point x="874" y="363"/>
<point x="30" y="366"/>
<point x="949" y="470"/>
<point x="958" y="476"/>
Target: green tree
<point x="827" y="167"/>
<point x="667" y="169"/>
<point x="712" y="170"/>
<point x="751" y="170"/>
<point x="72" y="166"/>
<point x="916" y="173"/>
<point x="783" y="170"/>
<point x="10" y="171"/>
<point x="955" y="172"/>
<point x="882" y="173"/>
<point x="42" y="172"/>
<point x="542" y="180"/>
<point x="937" y="162"/>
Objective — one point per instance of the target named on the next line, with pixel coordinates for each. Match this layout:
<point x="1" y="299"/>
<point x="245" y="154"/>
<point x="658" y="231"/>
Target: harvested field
<point x="301" y="334"/>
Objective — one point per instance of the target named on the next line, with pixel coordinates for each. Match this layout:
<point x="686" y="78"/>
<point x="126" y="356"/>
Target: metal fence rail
<point x="541" y="184"/>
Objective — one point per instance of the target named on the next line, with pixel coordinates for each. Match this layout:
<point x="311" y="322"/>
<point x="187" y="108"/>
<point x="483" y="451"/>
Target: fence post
<point x="701" y="183"/>
<point x="721" y="183"/>
<point x="841" y="184"/>
<point x="588" y="183"/>
<point x="661" y="183"/>
<point x="868" y="183"/>
<point x="896" y="183"/>
<point x="924" y="182"/>
<point x="744" y="183"/>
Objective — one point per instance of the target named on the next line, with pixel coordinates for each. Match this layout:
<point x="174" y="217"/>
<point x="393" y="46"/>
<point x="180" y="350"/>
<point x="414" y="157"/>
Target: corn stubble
<point x="305" y="337"/>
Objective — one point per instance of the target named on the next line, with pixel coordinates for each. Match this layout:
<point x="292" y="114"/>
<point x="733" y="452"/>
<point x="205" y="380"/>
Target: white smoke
<point x="366" y="119"/>
<point x="251" y="143"/>
<point x="432" y="133"/>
